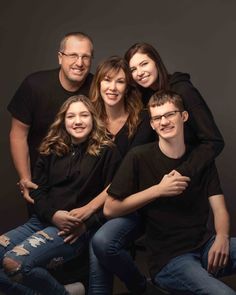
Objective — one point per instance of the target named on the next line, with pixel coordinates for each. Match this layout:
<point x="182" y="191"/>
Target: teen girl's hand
<point x="173" y="184"/>
<point x="74" y="234"/>
<point x="64" y="221"/>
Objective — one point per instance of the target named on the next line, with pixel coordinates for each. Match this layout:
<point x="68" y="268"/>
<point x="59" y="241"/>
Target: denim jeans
<point x="188" y="273"/>
<point x="108" y="256"/>
<point x="36" y="247"/>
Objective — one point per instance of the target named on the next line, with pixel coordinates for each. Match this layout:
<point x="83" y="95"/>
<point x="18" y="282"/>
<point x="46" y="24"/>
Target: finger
<point x="210" y="262"/>
<point x="68" y="238"/>
<point x="61" y="233"/>
<point x="74" y="240"/>
<point x="215" y="264"/>
<point x="28" y="198"/>
<point x="224" y="260"/>
<point x="73" y="219"/>
<point x="171" y="173"/>
<point x="183" y="178"/>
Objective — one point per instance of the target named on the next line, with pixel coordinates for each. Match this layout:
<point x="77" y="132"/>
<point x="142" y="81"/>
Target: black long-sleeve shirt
<point x="73" y="180"/>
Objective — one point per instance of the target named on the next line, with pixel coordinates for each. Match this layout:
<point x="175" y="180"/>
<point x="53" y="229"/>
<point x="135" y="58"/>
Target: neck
<point x="115" y="112"/>
<point x="116" y="118"/>
<point x="172" y="148"/>
<point x="68" y="85"/>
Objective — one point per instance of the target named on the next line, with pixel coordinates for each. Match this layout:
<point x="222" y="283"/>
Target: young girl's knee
<point x="12" y="269"/>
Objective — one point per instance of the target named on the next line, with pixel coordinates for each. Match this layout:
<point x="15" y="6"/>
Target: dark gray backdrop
<point x="195" y="36"/>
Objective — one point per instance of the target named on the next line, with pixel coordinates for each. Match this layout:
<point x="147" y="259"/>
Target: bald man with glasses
<point x="39" y="97"/>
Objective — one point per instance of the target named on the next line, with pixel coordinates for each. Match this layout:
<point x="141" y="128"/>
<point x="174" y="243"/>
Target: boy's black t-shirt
<point x="175" y="225"/>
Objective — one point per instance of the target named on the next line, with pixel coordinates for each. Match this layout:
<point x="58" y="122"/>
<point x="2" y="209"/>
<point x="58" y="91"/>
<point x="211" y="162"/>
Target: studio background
<point x="194" y="36"/>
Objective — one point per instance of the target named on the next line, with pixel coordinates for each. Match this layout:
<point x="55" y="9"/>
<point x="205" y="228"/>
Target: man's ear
<point x="185" y="116"/>
<point x="59" y="57"/>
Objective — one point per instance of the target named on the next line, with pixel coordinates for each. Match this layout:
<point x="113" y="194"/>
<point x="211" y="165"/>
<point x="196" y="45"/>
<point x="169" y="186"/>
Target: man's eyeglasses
<point x="169" y="116"/>
<point x="74" y="56"/>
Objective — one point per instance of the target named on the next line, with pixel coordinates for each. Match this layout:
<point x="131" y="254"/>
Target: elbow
<point x="108" y="212"/>
<point x="219" y="145"/>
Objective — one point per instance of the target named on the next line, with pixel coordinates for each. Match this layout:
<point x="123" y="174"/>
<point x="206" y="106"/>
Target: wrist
<point x="158" y="193"/>
<point x="222" y="235"/>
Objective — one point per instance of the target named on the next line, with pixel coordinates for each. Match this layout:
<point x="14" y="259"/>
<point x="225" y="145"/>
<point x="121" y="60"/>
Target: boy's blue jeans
<point x="188" y="273"/>
<point x="109" y="256"/>
<point x="36" y="247"/>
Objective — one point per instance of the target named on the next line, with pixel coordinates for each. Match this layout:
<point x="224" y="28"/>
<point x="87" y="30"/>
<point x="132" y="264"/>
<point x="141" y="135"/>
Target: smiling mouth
<point x="143" y="79"/>
<point x="111" y="95"/>
<point x="167" y="129"/>
<point x="77" y="71"/>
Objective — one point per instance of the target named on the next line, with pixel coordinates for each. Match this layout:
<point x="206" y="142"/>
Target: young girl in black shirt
<point x="76" y="164"/>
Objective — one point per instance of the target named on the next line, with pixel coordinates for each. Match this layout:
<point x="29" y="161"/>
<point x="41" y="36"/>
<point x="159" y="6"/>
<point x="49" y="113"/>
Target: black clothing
<point x="174" y="225"/>
<point x="142" y="135"/>
<point x="73" y="180"/>
<point x="37" y="101"/>
<point x="200" y="129"/>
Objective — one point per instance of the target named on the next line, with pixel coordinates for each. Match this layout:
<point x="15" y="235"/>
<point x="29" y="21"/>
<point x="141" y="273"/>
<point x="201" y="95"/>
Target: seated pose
<point x="150" y="75"/>
<point x="118" y="104"/>
<point x="184" y="254"/>
<point x="76" y="164"/>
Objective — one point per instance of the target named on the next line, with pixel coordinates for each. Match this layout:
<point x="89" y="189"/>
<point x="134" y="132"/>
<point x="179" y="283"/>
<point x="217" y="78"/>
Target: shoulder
<point x="84" y="89"/>
<point x="42" y="76"/>
<point x="176" y="79"/>
<point x="181" y="84"/>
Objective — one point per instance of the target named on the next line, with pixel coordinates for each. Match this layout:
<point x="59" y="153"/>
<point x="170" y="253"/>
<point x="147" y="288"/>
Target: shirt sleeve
<point x="144" y="133"/>
<point x="125" y="181"/>
<point x="201" y="121"/>
<point x="111" y="163"/>
<point x="22" y="103"/>
<point x="42" y="203"/>
<point x="213" y="187"/>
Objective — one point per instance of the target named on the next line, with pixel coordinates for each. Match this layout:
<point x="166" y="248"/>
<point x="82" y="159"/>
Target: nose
<point x="164" y="120"/>
<point x="112" y="85"/>
<point x="79" y="61"/>
<point x="139" y="72"/>
<point x="78" y="120"/>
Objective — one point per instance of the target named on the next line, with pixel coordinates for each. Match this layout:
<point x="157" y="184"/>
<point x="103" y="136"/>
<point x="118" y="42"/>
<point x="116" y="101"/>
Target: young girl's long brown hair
<point x="58" y="141"/>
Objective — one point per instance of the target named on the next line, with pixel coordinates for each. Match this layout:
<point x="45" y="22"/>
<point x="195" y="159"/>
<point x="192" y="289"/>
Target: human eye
<point x="73" y="55"/>
<point x="156" y="118"/>
<point x="144" y="63"/>
<point x="70" y="116"/>
<point x="170" y="115"/>
<point x="121" y="81"/>
<point x="85" y="115"/>
<point x="132" y="70"/>
<point x="106" y="78"/>
<point x="86" y="57"/>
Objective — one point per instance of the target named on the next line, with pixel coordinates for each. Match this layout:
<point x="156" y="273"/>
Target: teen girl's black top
<point x="73" y="180"/>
